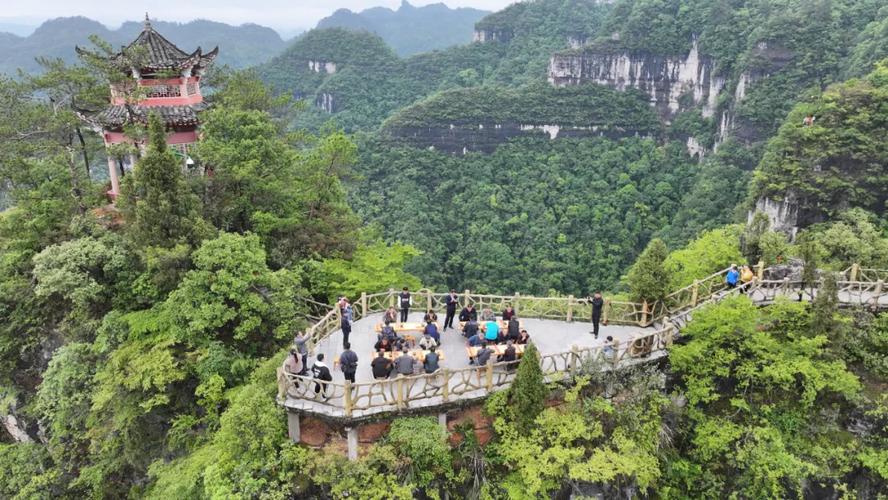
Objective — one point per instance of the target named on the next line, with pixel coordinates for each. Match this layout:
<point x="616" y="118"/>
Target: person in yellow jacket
<point x="746" y="277"/>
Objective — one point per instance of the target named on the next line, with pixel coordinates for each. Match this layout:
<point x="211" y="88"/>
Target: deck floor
<point x="550" y="336"/>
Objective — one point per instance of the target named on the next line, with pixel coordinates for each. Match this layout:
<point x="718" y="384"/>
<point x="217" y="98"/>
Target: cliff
<point x="479" y="119"/>
<point x="672" y="82"/>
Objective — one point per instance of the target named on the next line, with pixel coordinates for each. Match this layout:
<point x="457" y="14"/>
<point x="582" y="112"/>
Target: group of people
<point x="741" y="277"/>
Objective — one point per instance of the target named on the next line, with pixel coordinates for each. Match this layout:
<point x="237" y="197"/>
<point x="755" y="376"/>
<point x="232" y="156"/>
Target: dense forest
<point x="139" y="341"/>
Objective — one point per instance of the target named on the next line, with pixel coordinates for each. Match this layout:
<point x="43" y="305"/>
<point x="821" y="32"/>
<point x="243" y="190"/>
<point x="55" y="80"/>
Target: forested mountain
<point x="721" y="76"/>
<point x="239" y="46"/>
<point x="633" y="146"/>
<point x="411" y="30"/>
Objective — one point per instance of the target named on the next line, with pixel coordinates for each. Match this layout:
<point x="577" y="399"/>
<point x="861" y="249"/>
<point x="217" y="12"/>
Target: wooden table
<point x="418" y="354"/>
<point x="498" y="350"/>
<point x="406" y="327"/>
<point x="482" y="325"/>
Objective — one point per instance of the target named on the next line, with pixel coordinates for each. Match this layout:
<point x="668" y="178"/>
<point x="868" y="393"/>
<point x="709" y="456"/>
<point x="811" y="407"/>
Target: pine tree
<point x="527" y="395"/>
<point x="155" y="200"/>
<point x="826" y="304"/>
<point x="648" y="278"/>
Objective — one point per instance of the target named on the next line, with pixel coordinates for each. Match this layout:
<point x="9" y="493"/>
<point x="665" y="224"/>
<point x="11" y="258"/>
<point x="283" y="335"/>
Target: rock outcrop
<point x="492" y="35"/>
<point x="322" y="67"/>
<point x="485" y="137"/>
<point x="672" y="82"/>
<point x="783" y="214"/>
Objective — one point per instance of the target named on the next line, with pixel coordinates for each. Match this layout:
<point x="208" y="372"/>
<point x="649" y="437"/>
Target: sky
<point x="286" y="16"/>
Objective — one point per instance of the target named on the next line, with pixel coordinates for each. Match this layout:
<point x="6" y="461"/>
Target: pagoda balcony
<point x="183" y="91"/>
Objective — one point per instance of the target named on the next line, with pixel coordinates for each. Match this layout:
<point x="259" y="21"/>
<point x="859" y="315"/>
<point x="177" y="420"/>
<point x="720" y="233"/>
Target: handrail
<point x="347" y="399"/>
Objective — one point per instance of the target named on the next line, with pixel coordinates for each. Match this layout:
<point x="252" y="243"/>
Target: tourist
<point x="809" y="120"/>
<point x="345" y="310"/>
<point x="405" y="301"/>
<point x="746" y="277"/>
<point x="388" y="331"/>
<point x="470" y="328"/>
<point x="404" y="363"/>
<point x="431" y="329"/>
<point x="475" y="340"/>
<point x="732" y="277"/>
<point x="322" y="374"/>
<point x="524" y="338"/>
<point x="430" y="317"/>
<point x="487" y="315"/>
<point x="384" y="344"/>
<point x="483" y="355"/>
<point x="513" y="329"/>
<point x="597" y="305"/>
<point x="293" y="363"/>
<point x="348" y="363"/>
<point x="381" y="367"/>
<point x="509" y="355"/>
<point x="491" y="331"/>
<point x="391" y="316"/>
<point x="608" y="349"/>
<point x="300" y="342"/>
<point x="430" y="363"/>
<point x="451" y="301"/>
<point x="508" y="313"/>
<point x="468" y="313"/>
<point x="427" y="342"/>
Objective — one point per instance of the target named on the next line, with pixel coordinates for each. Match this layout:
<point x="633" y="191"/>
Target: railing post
<point x="855" y="270"/>
<point x="282" y="383"/>
<point x="489" y="375"/>
<point x="445" y="389"/>
<point x="879" y="286"/>
<point x="347" y="398"/>
<point x="786" y="285"/>
<point x="515" y="300"/>
<point x="644" y="313"/>
<point x="466" y="298"/>
<point x="760" y="272"/>
<point x="429" y="300"/>
<point x="399" y="388"/>
<point x="570" y="299"/>
<point x="391" y="297"/>
<point x="695" y="293"/>
<point x="574" y="360"/>
<point x="364" y="311"/>
<point x="607" y="306"/>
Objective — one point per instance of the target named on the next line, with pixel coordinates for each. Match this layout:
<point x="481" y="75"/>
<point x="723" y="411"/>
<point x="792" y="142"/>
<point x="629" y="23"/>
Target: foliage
<point x="159" y="208"/>
<point x="853" y="237"/>
<point x="422" y="450"/>
<point x="536" y="215"/>
<point x="835" y="163"/>
<point x="372" y="268"/>
<point x="527" y="394"/>
<point x="710" y="252"/>
<point x="25" y="472"/>
<point x="649" y="278"/>
<point x="757" y="382"/>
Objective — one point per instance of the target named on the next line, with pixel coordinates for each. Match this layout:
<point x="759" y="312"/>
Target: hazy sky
<point x="283" y="15"/>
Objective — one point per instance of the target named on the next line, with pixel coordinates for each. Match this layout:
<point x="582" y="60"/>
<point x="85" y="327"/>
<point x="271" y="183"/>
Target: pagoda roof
<point x="161" y="54"/>
<point x="118" y="116"/>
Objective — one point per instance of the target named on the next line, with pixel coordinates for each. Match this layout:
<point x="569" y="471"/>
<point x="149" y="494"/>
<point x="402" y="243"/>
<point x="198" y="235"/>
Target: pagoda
<point x="165" y="80"/>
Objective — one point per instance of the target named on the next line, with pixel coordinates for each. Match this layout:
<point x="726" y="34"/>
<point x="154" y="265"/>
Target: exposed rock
<point x="325" y="102"/>
<point x="462" y="138"/>
<point x="322" y="67"/>
<point x="492" y="35"/>
<point x="11" y="424"/>
<point x="372" y="432"/>
<point x="782" y="214"/>
<point x="665" y="78"/>
<point x="471" y="414"/>
<point x="314" y="432"/>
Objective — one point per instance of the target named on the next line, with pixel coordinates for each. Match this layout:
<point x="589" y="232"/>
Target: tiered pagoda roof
<point x="174" y="116"/>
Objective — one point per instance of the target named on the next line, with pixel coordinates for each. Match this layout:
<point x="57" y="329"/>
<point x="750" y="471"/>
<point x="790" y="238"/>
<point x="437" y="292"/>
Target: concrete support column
<point x="442" y="420"/>
<point x="115" y="179"/>
<point x="351" y="434"/>
<point x="293" y="426"/>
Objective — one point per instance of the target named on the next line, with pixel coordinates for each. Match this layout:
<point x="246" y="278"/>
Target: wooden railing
<point x="347" y="399"/>
<point x="364" y="398"/>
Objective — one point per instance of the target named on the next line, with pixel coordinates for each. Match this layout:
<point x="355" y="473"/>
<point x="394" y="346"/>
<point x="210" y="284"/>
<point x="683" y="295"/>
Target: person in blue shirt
<point x="491" y="331"/>
<point x="431" y="329"/>
<point x="733" y="276"/>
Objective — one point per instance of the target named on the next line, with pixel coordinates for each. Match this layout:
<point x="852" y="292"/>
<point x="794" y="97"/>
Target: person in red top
<point x="508" y="313"/>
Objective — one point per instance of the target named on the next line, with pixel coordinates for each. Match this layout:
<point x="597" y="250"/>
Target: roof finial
<point x="147" y="21"/>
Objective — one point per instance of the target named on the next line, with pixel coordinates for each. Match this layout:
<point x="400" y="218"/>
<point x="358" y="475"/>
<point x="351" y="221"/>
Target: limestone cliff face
<point x="326" y="102"/>
<point x="673" y="83"/>
<point x="322" y="67"/>
<point x="492" y="35"/>
<point x="464" y="138"/>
